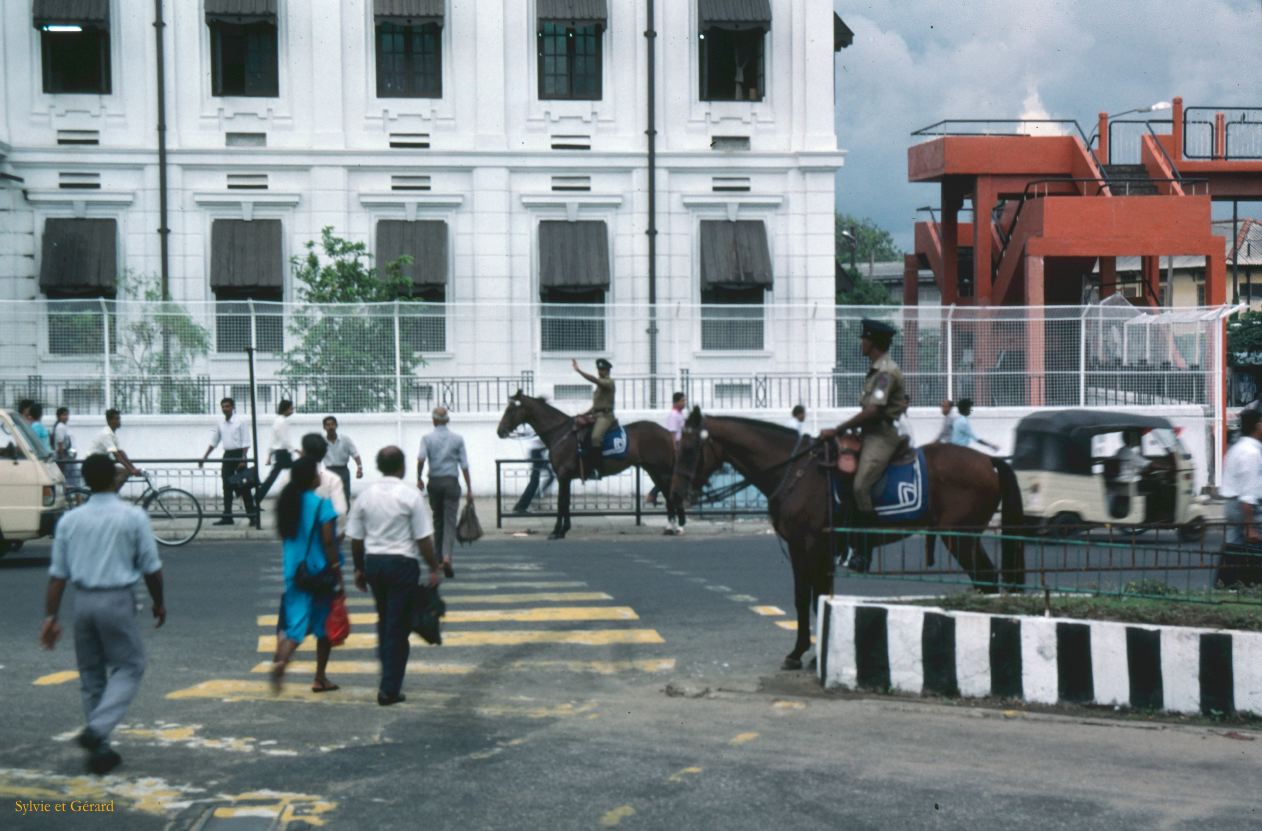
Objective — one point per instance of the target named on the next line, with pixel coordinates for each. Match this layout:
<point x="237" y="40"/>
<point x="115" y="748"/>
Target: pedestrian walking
<point x="797" y="419"/>
<point x="314" y="447"/>
<point x="445" y="453"/>
<point x="947" y="432"/>
<point x="64" y="450"/>
<point x="104" y="547"/>
<point x="233" y="432"/>
<point x="32" y="413"/>
<point x="675" y="424"/>
<point x="1241" y="561"/>
<point x="339" y="454"/>
<point x="389" y="525"/>
<point x="280" y="455"/>
<point x="307" y="525"/>
<point x="106" y="443"/>
<point x="540" y="467"/>
<point x="962" y="429"/>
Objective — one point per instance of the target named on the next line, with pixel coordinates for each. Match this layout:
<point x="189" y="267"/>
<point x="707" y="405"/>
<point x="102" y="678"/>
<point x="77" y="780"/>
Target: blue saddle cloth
<point x="615" y="444"/>
<point x="901" y="494"/>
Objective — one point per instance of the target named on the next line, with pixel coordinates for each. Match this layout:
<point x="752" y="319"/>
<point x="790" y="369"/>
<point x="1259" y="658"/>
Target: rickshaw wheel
<point x="1192" y="531"/>
<point x="1064" y="524"/>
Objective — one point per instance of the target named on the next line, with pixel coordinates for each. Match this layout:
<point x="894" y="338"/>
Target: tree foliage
<point x="160" y="344"/>
<point x="874" y="244"/>
<point x="861" y="291"/>
<point x="1244" y="340"/>
<point x="346" y="353"/>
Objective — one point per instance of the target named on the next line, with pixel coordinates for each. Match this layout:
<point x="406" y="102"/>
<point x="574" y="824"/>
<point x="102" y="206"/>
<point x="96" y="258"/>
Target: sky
<point x="915" y="63"/>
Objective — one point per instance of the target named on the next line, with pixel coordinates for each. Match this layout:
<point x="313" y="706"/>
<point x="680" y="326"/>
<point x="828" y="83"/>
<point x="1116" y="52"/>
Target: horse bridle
<point x="730" y="490"/>
<point x="544" y="435"/>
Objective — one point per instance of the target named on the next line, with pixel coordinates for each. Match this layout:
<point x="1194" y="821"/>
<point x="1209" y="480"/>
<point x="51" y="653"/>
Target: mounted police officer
<point x="601" y="411"/>
<point x="882" y="402"/>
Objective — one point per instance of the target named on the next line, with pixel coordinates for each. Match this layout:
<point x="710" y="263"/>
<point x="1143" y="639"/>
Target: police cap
<point x="601" y="363"/>
<point x="877" y="330"/>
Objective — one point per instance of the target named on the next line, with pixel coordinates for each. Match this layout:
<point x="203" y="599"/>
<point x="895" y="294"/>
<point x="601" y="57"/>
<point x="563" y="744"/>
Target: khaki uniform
<point x="885" y="390"/>
<point x="602" y="408"/>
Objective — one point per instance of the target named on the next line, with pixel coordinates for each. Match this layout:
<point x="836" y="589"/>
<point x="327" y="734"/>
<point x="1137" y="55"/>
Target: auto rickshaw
<point x="1079" y="468"/>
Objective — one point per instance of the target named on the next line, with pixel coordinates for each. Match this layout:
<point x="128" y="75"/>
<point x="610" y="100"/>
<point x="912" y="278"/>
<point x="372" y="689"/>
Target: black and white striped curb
<point x="923" y="650"/>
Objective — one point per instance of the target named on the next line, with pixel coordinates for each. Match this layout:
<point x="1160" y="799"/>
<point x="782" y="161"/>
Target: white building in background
<point x="502" y="143"/>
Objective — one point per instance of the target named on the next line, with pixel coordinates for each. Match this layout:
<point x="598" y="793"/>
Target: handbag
<point x="337" y="626"/>
<point x="468" y="529"/>
<point x="427" y="608"/>
<point x="244" y="481"/>
<point x="319" y="583"/>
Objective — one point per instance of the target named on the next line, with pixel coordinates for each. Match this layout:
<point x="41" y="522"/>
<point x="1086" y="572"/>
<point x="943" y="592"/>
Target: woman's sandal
<point x="277" y="677"/>
<point x="325" y="687"/>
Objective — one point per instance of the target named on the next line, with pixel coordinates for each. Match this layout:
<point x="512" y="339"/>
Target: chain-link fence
<point x="151" y="358"/>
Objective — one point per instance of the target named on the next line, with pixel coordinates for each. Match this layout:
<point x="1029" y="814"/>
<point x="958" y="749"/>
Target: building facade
<point x="500" y="143"/>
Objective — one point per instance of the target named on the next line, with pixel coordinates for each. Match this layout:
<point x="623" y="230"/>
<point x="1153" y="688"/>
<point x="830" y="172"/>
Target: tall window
<point x="732" y="64"/>
<point x="79" y="268"/>
<point x="569" y="61"/>
<point x="243" y="59"/>
<point x="573" y="281"/>
<point x="247" y="276"/>
<point x="76" y="59"/>
<point x="409" y="60"/>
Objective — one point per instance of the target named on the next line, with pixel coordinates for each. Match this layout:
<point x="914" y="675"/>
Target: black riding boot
<point x="861" y="543"/>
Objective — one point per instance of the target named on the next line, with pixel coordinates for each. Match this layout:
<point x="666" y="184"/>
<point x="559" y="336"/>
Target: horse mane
<point x="754" y="422"/>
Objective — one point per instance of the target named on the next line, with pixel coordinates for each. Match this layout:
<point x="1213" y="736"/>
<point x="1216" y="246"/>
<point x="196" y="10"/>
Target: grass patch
<point x="1172" y="610"/>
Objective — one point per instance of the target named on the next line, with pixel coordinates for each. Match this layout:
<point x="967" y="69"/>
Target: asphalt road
<point x="608" y="681"/>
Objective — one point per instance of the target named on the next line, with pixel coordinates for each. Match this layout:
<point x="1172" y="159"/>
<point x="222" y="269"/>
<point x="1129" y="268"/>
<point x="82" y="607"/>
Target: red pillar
<point x="911" y="277"/>
<point x="1215" y="278"/>
<point x="1150" y="274"/>
<point x="983" y="270"/>
<point x="1035" y="341"/>
<point x="1176" y="125"/>
<point x="1220" y="136"/>
<point x="1103" y="129"/>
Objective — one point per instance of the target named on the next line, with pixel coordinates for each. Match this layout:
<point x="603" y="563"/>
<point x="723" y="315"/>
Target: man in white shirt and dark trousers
<point x="340" y="451"/>
<point x="233" y="432"/>
<point x="106" y="444"/>
<point x="445" y="453"/>
<point x="388" y="526"/>
<point x="104" y="547"/>
<point x="1241" y="561"/>
<point x="279" y="456"/>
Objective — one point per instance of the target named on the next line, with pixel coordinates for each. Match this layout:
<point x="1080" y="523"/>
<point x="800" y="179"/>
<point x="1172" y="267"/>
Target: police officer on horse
<point x="882" y="402"/>
<point x="601" y="413"/>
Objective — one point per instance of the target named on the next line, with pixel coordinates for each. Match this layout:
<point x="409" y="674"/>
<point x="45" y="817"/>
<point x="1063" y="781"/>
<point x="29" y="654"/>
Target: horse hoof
<point x="791" y="664"/>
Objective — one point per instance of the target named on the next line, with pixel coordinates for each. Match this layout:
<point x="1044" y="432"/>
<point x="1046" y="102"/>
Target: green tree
<point x="346" y="353"/>
<point x="853" y="289"/>
<point x="160" y="344"/>
<point x="1244" y="340"/>
<point x="873" y="243"/>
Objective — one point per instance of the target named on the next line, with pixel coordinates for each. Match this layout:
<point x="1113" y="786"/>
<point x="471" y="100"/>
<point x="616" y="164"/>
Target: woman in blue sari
<point x="307" y="526"/>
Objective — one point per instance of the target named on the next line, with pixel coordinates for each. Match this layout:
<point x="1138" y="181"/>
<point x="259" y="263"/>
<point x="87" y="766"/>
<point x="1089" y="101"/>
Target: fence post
<point x="1082" y="357"/>
<point x="950" y="353"/>
<point x="398" y="379"/>
<point x="639" y="498"/>
<point x="105" y="340"/>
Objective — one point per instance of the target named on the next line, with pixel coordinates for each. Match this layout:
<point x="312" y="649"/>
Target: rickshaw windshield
<point x="1051" y="452"/>
<point x="33" y="445"/>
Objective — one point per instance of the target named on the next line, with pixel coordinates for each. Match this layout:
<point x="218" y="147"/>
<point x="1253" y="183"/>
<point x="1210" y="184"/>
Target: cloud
<point x="915" y="64"/>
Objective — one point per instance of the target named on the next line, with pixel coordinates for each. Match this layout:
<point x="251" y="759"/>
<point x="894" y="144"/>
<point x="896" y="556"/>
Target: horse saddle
<point x="614" y="445"/>
<point x="901" y="494"/>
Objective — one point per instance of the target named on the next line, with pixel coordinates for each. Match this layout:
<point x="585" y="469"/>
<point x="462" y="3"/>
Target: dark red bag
<point x="337" y="626"/>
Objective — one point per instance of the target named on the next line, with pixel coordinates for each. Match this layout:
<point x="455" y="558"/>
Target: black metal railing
<point x="1244" y="122"/>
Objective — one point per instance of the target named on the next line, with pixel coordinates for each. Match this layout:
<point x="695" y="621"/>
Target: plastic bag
<point x="337" y="626"/>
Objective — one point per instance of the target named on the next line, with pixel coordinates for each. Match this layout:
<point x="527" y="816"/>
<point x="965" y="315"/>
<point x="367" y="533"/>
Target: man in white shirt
<point x="315" y="447"/>
<point x="797" y="419"/>
<point x="279" y="456"/>
<point x="388" y="526"/>
<point x="233" y="432"/>
<point x="1242" y="482"/>
<point x="948" y="422"/>
<point x="1130" y="459"/>
<point x="106" y="443"/>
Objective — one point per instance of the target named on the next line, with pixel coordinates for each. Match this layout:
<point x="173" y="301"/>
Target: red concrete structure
<point x="1052" y="211"/>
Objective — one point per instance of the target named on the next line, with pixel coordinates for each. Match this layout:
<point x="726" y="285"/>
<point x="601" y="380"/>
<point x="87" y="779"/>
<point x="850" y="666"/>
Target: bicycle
<point x="174" y="513"/>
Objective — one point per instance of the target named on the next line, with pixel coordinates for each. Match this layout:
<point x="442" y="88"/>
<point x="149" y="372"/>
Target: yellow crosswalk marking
<point x="553" y="614"/>
<point x="769" y="611"/>
<point x="230" y="690"/>
<point x="652" y="665"/>
<point x="743" y="738"/>
<point x="505" y="599"/>
<point x="500" y="566"/>
<point x="504" y="637"/>
<point x="511" y="583"/>
<point x="56" y="678"/>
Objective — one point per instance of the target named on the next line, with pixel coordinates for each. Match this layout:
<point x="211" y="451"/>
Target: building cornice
<point x="246" y="202"/>
<point x="571" y="202"/>
<point x="410" y="203"/>
<point x="80" y="200"/>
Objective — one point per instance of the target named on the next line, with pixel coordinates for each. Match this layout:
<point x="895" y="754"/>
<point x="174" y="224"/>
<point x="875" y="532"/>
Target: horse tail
<point x="1012" y="522"/>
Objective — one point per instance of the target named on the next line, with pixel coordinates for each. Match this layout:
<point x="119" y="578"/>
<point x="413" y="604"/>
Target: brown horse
<point x="966" y="488"/>
<point x="649" y="445"/>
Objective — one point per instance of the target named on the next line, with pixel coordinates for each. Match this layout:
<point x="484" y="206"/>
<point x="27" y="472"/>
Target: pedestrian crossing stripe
<point x="483" y="566"/>
<point x="554" y="614"/>
<point x="504" y="637"/>
<point x="474" y="585"/>
<point x="233" y="690"/>
<point x="769" y="611"/>
<point x="651" y="665"/>
<point x="505" y="599"/>
<point x="56" y="678"/>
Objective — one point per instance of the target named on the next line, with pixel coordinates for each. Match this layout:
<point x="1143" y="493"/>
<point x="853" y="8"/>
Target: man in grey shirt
<point x="337" y="458"/>
<point x="445" y="453"/>
<point x="103" y="547"/>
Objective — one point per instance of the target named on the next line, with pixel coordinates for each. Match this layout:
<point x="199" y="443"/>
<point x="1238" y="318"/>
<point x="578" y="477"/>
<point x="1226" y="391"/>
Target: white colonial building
<point x="504" y="144"/>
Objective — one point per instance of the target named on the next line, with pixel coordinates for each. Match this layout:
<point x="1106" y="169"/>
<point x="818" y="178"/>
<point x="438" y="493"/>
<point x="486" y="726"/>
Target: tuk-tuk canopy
<point x="1060" y="440"/>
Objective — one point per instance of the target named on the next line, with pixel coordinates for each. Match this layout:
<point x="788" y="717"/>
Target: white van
<point x="32" y="489"/>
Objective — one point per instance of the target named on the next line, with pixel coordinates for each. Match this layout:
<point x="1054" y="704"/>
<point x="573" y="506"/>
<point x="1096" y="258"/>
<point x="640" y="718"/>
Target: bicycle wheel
<point x="175" y="514"/>
<point x="76" y="496"/>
